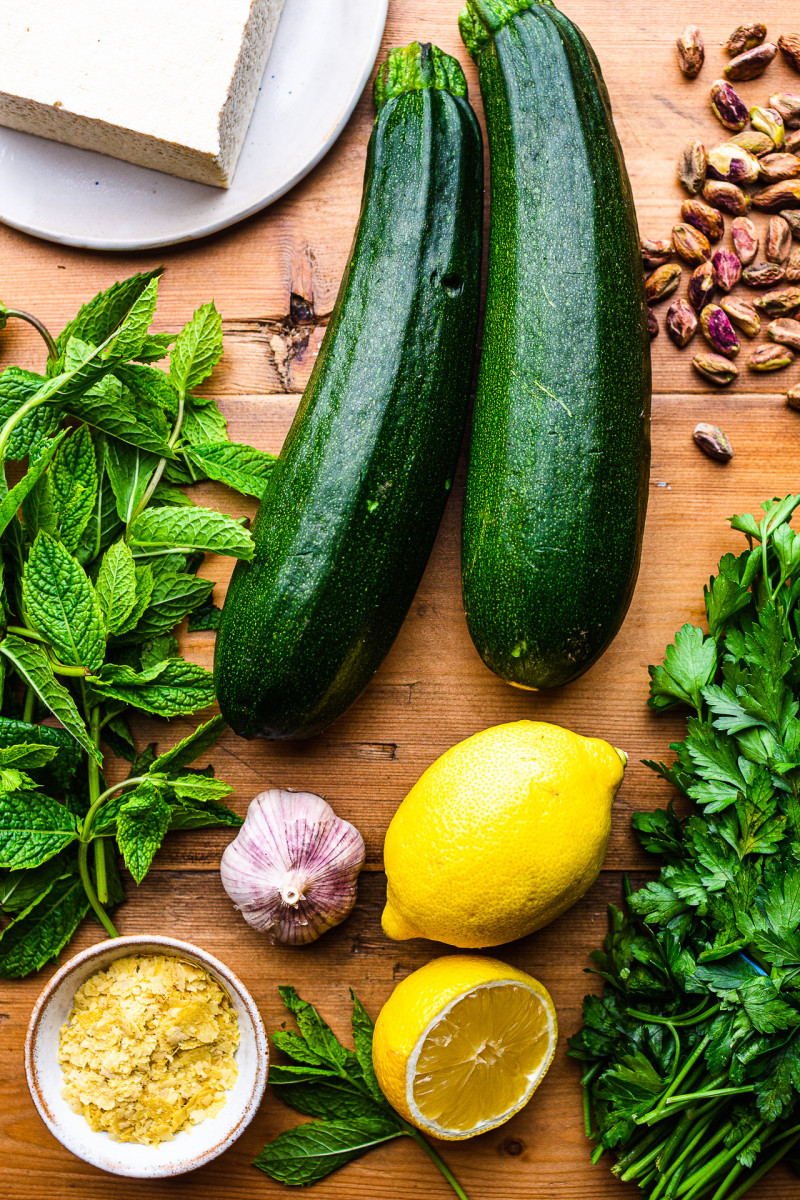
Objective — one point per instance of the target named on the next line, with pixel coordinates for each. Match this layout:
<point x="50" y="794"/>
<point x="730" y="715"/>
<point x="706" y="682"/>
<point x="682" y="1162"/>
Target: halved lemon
<point x="462" y="1044"/>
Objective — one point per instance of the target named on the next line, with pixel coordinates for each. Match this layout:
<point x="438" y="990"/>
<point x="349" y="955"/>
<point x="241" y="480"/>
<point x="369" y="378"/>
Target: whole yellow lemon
<point x="500" y="835"/>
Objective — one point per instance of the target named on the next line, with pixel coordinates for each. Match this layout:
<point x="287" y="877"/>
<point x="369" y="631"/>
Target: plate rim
<point x="216" y="225"/>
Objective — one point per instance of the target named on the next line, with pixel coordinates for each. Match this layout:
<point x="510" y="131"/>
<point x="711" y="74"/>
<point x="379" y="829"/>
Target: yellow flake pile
<point x="148" y="1048"/>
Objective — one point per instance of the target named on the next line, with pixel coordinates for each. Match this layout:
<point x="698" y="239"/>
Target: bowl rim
<point x="129" y="942"/>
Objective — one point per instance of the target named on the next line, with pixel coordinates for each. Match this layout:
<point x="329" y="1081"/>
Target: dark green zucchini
<point x="352" y="507"/>
<point x="558" y="471"/>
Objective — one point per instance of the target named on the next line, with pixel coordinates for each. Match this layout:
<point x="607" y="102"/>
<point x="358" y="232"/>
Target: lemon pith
<point x="500" y="835"/>
<point x="462" y="1044"/>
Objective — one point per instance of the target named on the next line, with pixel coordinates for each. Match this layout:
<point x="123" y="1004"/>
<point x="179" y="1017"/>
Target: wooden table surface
<point x="433" y="689"/>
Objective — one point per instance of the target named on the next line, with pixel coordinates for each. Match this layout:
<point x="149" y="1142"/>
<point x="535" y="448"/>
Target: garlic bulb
<point x="292" y="868"/>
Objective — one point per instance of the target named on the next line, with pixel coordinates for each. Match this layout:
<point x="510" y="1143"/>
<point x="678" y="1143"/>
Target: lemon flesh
<point x="481" y="1059"/>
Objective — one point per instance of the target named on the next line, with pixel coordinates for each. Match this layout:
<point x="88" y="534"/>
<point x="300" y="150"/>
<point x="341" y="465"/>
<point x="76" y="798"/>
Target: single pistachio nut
<point x="702" y="285"/>
<point x="792" y="219"/>
<point x="652" y="324"/>
<point x="703" y="217"/>
<point x="786" y="331"/>
<point x="656" y="251"/>
<point x="788" y="105"/>
<point x="690" y="244"/>
<point x="727" y="197"/>
<point x="777" y="167"/>
<point x="745" y="37"/>
<point x="763" y="274"/>
<point x="692" y="166"/>
<point x="727" y="269"/>
<point x="691" y="51"/>
<point x="681" y="323"/>
<point x="745" y="239"/>
<point x="662" y="282"/>
<point x="793" y="398"/>
<point x="753" y="140"/>
<point x="718" y="331"/>
<point x="780" y="301"/>
<point x="712" y="441"/>
<point x="792" y="142"/>
<point x="789" y="46"/>
<point x="770" y="358"/>
<point x="728" y="106"/>
<point x="733" y="164"/>
<point x="768" y="121"/>
<point x="778" y="241"/>
<point x="779" y="196"/>
<point x="715" y="367"/>
<point x="743" y="314"/>
<point x="793" y="266"/>
<point x="752" y="63"/>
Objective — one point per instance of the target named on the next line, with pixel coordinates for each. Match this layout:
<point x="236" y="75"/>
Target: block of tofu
<point x="168" y="84"/>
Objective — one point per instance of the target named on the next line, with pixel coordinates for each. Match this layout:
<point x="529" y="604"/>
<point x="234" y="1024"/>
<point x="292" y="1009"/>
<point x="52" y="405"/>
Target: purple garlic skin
<point x="292" y="868"/>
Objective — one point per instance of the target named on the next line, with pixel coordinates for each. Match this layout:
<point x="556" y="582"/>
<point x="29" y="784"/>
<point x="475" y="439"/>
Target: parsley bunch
<point x="691" y="1058"/>
<point x="99" y="551"/>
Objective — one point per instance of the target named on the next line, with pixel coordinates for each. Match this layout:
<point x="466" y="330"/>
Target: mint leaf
<point x="97" y="319"/>
<point x="60" y="770"/>
<point x="203" y="423"/>
<point x="11" y="502"/>
<point x="197" y="349"/>
<point x="27" y="754"/>
<point x="73" y="486"/>
<point x="191" y="747"/>
<point x="191" y="529"/>
<point x="199" y="788"/>
<point x="38" y="509"/>
<point x="108" y="407"/>
<point x="116" y="586"/>
<point x="310" y="1152"/>
<point x="130" y="337"/>
<point x="187" y="815"/>
<point x="42" y="930"/>
<point x="205" y="618"/>
<point x="169" y="689"/>
<point x="62" y="604"/>
<point x="33" y="828"/>
<point x="130" y="471"/>
<point x="142" y="822"/>
<point x="104" y="525"/>
<point x="173" y="597"/>
<point x="145" y="584"/>
<point x="30" y="435"/>
<point x="157" y="649"/>
<point x="33" y="665"/>
<point x="151" y="387"/>
<point x="21" y="889"/>
<point x="318" y="1035"/>
<point x="155" y="347"/>
<point x="363" y="1030"/>
<point x="241" y="467"/>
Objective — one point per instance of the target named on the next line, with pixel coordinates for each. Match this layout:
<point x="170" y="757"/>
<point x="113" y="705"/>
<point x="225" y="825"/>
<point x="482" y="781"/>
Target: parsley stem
<point x="52" y="349"/>
<point x="658" y="1111"/>
<point x="731" y="1091"/>
<point x="434" y="1157"/>
<point x="694" y="1017"/>
<point x="762" y="1170"/>
<point x="642" y="1165"/>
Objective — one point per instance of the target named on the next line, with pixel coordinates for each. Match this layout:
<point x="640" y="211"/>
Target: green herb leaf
<point x="104" y="525"/>
<point x="169" y="689"/>
<point x="363" y="1030"/>
<point x="98" y="319"/>
<point x="112" y="410"/>
<point x="132" y="333"/>
<point x="310" y="1152"/>
<point x="199" y="788"/>
<point x="22" y="888"/>
<point x="33" y="828"/>
<point x="116" y="586"/>
<point x="191" y="529"/>
<point x="73" y="486"/>
<point x="10" y="503"/>
<point x="60" y="769"/>
<point x="241" y="467"/>
<point x="173" y="597"/>
<point x="62" y="603"/>
<point x="191" y="747"/>
<point x="142" y="822"/>
<point x="31" y="434"/>
<point x="33" y="665"/>
<point x="187" y="815"/>
<point x="42" y="930"/>
<point x="197" y="349"/>
<point x="205" y="618"/>
<point x="151" y="387"/>
<point x="203" y="423"/>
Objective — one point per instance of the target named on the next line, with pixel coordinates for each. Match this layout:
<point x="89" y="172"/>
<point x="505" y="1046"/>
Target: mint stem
<point x="52" y="349"/>
<point x="434" y="1157"/>
<point x="91" y="894"/>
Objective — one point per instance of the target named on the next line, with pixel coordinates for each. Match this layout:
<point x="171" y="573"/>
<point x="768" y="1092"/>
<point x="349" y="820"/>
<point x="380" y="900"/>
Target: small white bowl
<point x="188" y="1149"/>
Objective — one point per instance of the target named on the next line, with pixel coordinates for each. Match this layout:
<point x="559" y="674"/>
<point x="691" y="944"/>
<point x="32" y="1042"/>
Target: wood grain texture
<point x="433" y="689"/>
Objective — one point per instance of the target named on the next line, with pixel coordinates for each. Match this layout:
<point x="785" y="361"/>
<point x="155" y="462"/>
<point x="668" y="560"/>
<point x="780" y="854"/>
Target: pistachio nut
<point x="681" y="323"/>
<point x="782" y="300"/>
<point x="662" y="282"/>
<point x="715" y="367"/>
<point x="733" y="164"/>
<point x="656" y="251"/>
<point x="744" y="37"/>
<point x="727" y="269"/>
<point x="692" y="166"/>
<point x="743" y="314"/>
<point x="789" y="46"/>
<point x="777" y="167"/>
<point x="763" y="274"/>
<point x="703" y="217"/>
<point x="792" y="143"/>
<point x="727" y="197"/>
<point x="702" y="285"/>
<point x="692" y="245"/>
<point x="792" y="219"/>
<point x="718" y="331"/>
<point x="793" y="398"/>
<point x="745" y="239"/>
<point x="753" y="140"/>
<point x="768" y="121"/>
<point x="779" y="196"/>
<point x="691" y="51"/>
<point x="770" y="358"/>
<point x="778" y="241"/>
<point x="652" y="324"/>
<point x="793" y="266"/>
<point x="728" y="106"/>
<point x="788" y="105"/>
<point x="786" y="331"/>
<point x="712" y="441"/>
<point x="752" y="63"/>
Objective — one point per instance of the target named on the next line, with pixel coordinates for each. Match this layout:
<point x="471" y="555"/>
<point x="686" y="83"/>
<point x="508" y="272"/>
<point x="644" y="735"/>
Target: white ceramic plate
<point x="323" y="53"/>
